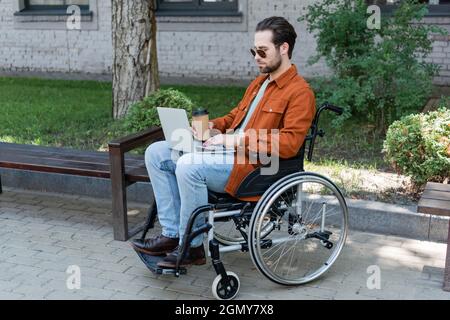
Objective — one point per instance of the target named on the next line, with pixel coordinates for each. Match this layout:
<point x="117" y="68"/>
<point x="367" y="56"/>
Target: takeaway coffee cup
<point x="200" y="119"/>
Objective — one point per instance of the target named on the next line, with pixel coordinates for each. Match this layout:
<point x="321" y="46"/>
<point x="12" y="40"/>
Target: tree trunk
<point x="135" y="63"/>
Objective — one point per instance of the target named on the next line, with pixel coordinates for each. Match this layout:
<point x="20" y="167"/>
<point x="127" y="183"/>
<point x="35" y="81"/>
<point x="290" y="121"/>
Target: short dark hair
<point x="282" y="30"/>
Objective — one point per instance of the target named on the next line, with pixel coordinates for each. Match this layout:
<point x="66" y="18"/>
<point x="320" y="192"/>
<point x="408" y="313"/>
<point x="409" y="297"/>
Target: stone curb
<point x="398" y="220"/>
<point x="368" y="216"/>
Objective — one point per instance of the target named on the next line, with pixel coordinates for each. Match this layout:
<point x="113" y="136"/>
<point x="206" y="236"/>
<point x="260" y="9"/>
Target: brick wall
<point x="50" y="47"/>
<point x="441" y="56"/>
<point x="183" y="51"/>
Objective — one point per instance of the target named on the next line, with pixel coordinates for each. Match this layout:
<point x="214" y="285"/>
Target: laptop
<point x="176" y="128"/>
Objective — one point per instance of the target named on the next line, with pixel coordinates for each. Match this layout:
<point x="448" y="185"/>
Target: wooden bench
<point x="436" y="200"/>
<point x="123" y="170"/>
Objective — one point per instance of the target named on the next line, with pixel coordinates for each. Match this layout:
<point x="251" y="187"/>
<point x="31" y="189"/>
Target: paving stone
<point x="161" y="294"/>
<point x="8" y="275"/>
<point x="32" y="291"/>
<point x="54" y="275"/>
<point x="100" y="294"/>
<point x="116" y="276"/>
<point x="33" y="225"/>
<point x="10" y="296"/>
<point x="28" y="261"/>
<point x="12" y="215"/>
<point x="24" y="253"/>
<point x="105" y="257"/>
<point x="152" y="282"/>
<point x="9" y="206"/>
<point x="8" y="285"/>
<point x="187" y="289"/>
<point x="29" y="280"/>
<point x="65" y="244"/>
<point x="40" y="247"/>
<point x="124" y="296"/>
<point x="131" y="261"/>
<point x="66" y="295"/>
<point x="140" y="270"/>
<point x="125" y="287"/>
<point x="74" y="253"/>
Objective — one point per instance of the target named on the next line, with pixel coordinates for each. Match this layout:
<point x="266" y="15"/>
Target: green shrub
<point x="379" y="74"/>
<point x="418" y="145"/>
<point x="143" y="114"/>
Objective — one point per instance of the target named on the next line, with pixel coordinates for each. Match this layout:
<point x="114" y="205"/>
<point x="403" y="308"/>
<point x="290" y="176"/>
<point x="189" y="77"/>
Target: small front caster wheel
<point x="226" y="289"/>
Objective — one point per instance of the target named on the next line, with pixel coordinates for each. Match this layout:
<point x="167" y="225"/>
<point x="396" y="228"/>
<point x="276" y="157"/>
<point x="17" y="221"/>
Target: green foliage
<point x="418" y="145"/>
<point x="143" y="114"/>
<point x="379" y="73"/>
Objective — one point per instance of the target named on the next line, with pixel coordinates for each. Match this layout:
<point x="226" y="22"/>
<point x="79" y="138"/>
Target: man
<point x="279" y="99"/>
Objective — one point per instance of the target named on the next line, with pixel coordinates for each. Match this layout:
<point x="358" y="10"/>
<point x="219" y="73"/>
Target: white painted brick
<point x="440" y="44"/>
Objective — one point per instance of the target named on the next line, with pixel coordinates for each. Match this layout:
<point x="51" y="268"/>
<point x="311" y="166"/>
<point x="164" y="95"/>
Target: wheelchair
<point x="294" y="232"/>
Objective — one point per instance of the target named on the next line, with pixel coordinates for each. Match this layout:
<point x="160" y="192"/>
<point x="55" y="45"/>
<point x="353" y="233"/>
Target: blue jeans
<point x="180" y="184"/>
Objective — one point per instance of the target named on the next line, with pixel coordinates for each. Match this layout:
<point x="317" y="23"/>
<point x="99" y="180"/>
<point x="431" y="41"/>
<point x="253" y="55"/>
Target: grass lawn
<point x="77" y="114"/>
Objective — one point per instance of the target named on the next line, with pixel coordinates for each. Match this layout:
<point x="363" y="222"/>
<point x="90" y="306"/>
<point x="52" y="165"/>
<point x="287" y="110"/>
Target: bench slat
<point x="65" y="153"/>
<point x="437" y="186"/>
<point x="103" y="159"/>
<point x="31" y="148"/>
<point x="54" y="165"/>
<point x="437" y="195"/>
<point x="432" y="206"/>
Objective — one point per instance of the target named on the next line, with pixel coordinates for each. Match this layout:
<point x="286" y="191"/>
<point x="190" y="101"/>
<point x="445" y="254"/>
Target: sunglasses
<point x="260" y="53"/>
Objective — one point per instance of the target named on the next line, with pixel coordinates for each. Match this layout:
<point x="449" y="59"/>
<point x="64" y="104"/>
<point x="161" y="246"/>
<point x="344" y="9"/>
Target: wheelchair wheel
<point x="226" y="290"/>
<point x="309" y="215"/>
<point x="226" y="232"/>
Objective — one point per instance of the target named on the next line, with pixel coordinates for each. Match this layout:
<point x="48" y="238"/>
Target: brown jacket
<point x="288" y="104"/>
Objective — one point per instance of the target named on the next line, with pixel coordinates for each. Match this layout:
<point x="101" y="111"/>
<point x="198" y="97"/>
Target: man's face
<point x="272" y="61"/>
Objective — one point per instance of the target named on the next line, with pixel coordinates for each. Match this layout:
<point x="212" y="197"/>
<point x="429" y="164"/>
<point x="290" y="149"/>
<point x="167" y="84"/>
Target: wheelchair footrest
<point x="152" y="261"/>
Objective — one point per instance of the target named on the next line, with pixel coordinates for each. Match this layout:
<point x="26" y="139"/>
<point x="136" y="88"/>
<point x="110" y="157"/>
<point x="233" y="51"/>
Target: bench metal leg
<point x="447" y="264"/>
<point x="119" y="195"/>
<point x="1" y="191"/>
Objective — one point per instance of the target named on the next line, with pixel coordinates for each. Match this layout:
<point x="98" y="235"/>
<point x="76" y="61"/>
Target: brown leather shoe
<point x="158" y="246"/>
<point x="196" y="256"/>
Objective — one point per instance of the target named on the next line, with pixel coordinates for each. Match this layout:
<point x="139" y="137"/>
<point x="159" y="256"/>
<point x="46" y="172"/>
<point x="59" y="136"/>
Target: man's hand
<point x="227" y="140"/>
<point x="210" y="127"/>
<point x="216" y="140"/>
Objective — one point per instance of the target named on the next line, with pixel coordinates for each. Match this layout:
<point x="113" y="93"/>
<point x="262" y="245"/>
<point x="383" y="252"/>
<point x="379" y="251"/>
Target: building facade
<point x="205" y="39"/>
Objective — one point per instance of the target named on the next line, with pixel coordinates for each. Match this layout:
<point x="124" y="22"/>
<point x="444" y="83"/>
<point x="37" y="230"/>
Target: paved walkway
<point x="42" y="234"/>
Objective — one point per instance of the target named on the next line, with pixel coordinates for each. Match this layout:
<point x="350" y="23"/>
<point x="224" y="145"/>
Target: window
<point x="50" y="7"/>
<point x="435" y="7"/>
<point x="197" y="7"/>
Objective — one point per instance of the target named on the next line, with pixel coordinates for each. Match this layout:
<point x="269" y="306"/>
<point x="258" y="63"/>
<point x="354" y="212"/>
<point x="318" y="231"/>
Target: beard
<point x="273" y="67"/>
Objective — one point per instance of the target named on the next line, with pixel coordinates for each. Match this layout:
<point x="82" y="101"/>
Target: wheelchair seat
<point x="255" y="184"/>
<point x="220" y="198"/>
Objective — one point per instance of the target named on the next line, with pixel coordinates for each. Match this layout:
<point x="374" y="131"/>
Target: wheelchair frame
<point x="243" y="213"/>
